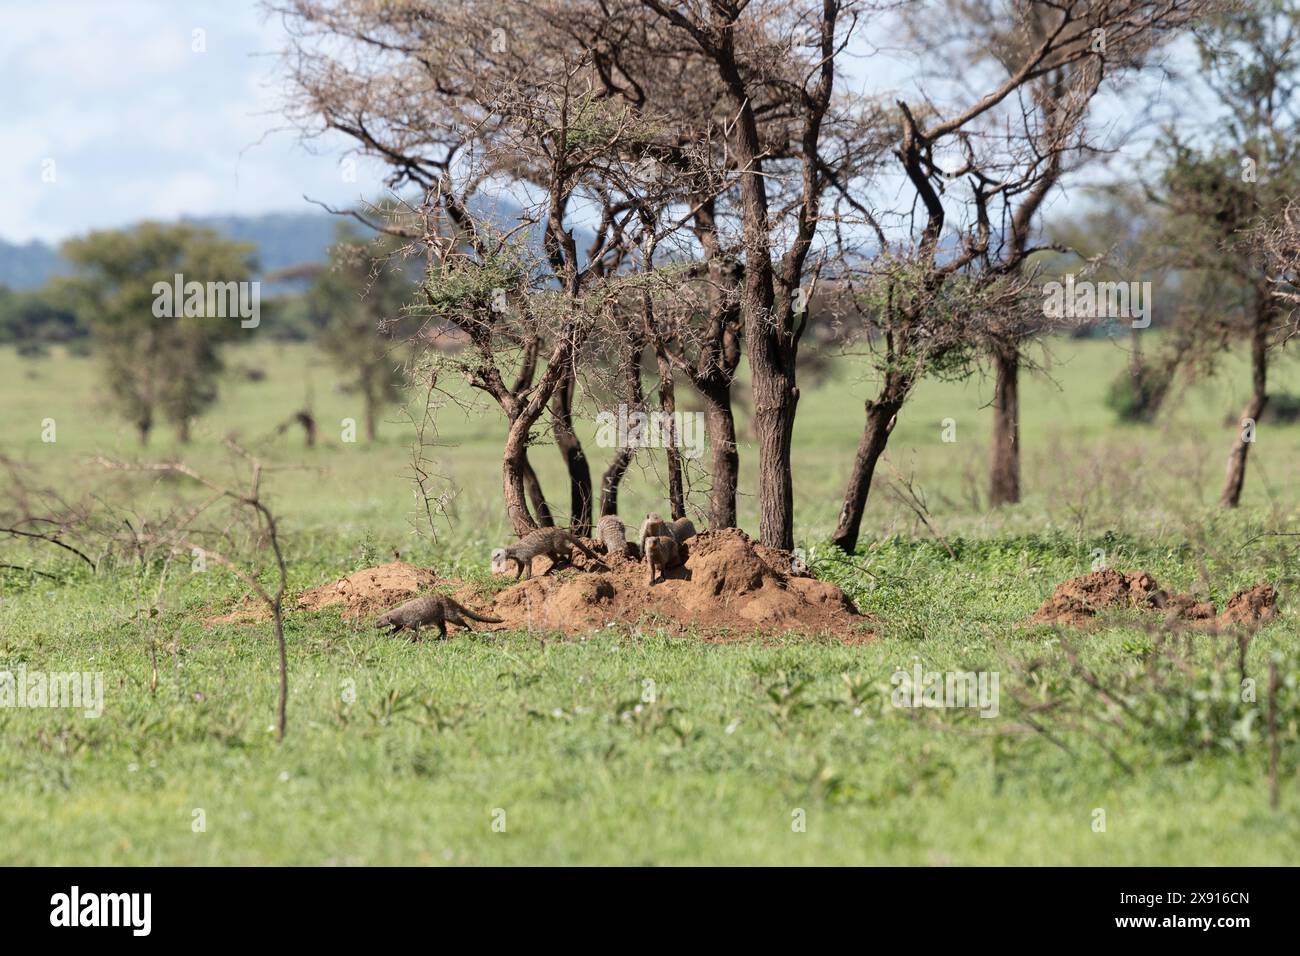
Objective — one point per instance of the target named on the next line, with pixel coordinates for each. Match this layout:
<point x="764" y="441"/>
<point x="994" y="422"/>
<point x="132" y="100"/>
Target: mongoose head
<point x="499" y="561"/>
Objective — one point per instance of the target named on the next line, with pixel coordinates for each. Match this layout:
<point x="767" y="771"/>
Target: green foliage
<point x="157" y="361"/>
<point x="358" y="304"/>
<point x="475" y="286"/>
<point x="37" y="319"/>
<point x="1136" y="394"/>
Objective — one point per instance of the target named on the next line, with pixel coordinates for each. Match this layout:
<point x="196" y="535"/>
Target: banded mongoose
<point x="653" y="526"/>
<point x="683" y="529"/>
<point x="612" y="534"/>
<point x="436" y="609"/>
<point x="556" y="543"/>
<point x="661" y="551"/>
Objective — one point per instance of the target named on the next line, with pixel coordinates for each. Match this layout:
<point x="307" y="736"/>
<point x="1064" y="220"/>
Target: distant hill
<point x="28" y="266"/>
<point x="283" y="240"/>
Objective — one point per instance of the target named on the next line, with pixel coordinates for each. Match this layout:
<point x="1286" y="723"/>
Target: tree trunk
<point x="715" y="368"/>
<point x="775" y="400"/>
<point x="574" y="459"/>
<point x="671" y="441"/>
<point x="514" y="466"/>
<point x="183" y="430"/>
<point x="881" y="417"/>
<point x="771" y="353"/>
<point x="533" y="488"/>
<point x="610" y="481"/>
<point x="720" y="427"/>
<point x="370" y="416"/>
<point x="308" y="422"/>
<point x="1231" y="496"/>
<point x="634" y="399"/>
<point x="1004" y="487"/>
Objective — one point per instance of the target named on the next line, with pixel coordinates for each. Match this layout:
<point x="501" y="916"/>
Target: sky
<point x="122" y="110"/>
<point x="117" y="110"/>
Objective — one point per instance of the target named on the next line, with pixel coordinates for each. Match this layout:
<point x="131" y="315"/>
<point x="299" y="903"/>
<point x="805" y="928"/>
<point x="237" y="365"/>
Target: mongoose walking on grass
<point x="612" y="534"/>
<point x="653" y="526"/>
<point x="682" y="529"/>
<point x="661" y="551"/>
<point x="435" y="609"/>
<point x="556" y="543"/>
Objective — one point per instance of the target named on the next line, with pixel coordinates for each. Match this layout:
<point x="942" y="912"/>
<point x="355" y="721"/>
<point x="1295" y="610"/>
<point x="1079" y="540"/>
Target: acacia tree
<point x="437" y="81"/>
<point x="1277" y="238"/>
<point x="1215" y="194"/>
<point x="357" y="302"/>
<point x="1054" y="142"/>
<point x="743" y="43"/>
<point x="443" y="96"/>
<point x="1006" y="165"/>
<point x="159" y="361"/>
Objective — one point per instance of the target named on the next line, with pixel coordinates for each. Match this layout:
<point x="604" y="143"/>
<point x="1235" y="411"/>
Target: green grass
<point x="739" y="736"/>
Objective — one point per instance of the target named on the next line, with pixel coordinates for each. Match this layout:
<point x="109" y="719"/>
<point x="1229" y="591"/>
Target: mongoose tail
<point x="484" y="618"/>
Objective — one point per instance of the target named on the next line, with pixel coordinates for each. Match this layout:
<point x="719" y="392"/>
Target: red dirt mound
<point x="1250" y="606"/>
<point x="728" y="584"/>
<point x="1078" y="601"/>
<point x="371" y="589"/>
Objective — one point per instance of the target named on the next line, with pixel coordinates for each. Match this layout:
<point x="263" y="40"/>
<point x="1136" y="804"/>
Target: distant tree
<point x="33" y="320"/>
<point x="160" y="351"/>
<point x="357" y="304"/>
<point x="1216" y="190"/>
<point x="978" y="168"/>
<point x="1119" y="241"/>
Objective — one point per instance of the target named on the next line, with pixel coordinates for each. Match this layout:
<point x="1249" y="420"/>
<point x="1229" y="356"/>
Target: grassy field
<point x="507" y="748"/>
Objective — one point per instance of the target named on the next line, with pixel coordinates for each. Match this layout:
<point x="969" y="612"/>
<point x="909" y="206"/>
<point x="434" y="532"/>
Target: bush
<point x="1136" y="394"/>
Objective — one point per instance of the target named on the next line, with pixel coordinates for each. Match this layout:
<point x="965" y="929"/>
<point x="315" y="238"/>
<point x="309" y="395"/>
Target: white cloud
<point x="141" y="126"/>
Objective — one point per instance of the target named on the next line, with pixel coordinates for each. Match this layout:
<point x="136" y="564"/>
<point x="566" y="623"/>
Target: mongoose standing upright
<point x="556" y="543"/>
<point x="682" y="529"/>
<point x="661" y="551"/>
<point x="653" y="526"/>
<point x="612" y="534"/>
<point x="436" y="609"/>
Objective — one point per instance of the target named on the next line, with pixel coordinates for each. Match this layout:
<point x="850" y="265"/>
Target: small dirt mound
<point x="1078" y="601"/>
<point x="1250" y="606"/>
<point x="371" y="589"/>
<point x="247" y="610"/>
<point x="728" y="583"/>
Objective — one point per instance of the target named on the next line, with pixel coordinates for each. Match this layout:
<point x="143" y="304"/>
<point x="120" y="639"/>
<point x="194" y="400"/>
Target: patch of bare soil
<point x="1078" y="601"/>
<point x="248" y="610"/>
<point x="1250" y="606"/>
<point x="371" y="589"/>
<point x="728" y="584"/>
